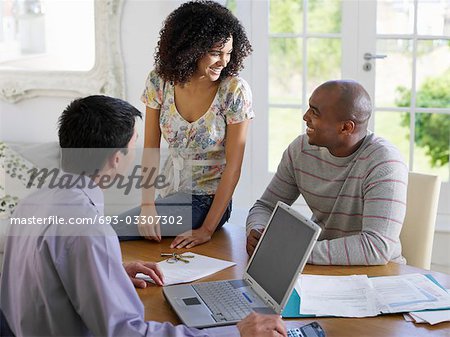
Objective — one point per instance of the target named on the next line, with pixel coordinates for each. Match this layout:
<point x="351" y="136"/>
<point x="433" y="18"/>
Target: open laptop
<point x="267" y="283"/>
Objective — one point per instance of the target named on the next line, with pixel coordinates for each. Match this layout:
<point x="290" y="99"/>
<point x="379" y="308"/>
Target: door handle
<point x="370" y="56"/>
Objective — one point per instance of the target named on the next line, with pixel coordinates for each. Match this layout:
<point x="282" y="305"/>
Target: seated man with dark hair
<point x="353" y="181"/>
<point x="63" y="273"/>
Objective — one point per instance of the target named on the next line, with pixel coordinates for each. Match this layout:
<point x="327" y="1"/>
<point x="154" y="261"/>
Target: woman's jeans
<point x="178" y="213"/>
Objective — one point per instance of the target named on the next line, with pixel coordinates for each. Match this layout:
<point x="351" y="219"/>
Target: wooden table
<point x="229" y="244"/>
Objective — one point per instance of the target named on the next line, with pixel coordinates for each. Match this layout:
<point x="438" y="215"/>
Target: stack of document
<point x="430" y="317"/>
<point x="180" y="272"/>
<point x="360" y="296"/>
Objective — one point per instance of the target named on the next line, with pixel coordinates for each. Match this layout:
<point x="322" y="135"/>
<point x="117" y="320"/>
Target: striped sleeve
<point x="283" y="187"/>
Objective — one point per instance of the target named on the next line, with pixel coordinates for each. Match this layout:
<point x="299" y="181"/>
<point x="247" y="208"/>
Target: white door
<point x="403" y="57"/>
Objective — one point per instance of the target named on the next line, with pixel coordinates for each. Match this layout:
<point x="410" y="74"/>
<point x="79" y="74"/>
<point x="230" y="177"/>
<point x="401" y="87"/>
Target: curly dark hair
<point x="190" y="31"/>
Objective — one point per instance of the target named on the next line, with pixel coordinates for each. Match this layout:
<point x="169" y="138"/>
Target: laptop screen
<point x="278" y="255"/>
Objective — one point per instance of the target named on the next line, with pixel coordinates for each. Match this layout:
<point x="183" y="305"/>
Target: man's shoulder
<point x="381" y="158"/>
<point x="60" y="212"/>
<point x="56" y="200"/>
<point x="377" y="148"/>
<point x="300" y="146"/>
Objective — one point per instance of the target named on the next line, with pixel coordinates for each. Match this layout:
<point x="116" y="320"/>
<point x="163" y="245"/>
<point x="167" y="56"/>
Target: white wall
<point x="440" y="260"/>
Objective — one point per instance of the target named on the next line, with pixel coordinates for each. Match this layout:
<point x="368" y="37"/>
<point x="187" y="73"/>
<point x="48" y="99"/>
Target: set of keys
<point x="175" y="257"/>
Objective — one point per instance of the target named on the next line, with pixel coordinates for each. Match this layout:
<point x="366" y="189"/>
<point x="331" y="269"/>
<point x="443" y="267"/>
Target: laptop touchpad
<point x="191" y="301"/>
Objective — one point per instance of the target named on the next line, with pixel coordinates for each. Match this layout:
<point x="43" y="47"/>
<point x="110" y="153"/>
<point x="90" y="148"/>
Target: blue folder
<point x="292" y="308"/>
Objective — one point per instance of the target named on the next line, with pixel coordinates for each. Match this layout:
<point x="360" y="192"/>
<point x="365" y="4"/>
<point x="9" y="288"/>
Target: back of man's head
<point x="101" y="124"/>
<point x="354" y="102"/>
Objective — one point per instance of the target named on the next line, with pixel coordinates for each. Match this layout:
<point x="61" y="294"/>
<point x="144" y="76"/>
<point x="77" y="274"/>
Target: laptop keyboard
<point x="225" y="302"/>
<point x="294" y="333"/>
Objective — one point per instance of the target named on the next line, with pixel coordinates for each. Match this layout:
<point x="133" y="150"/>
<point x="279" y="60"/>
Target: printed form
<point x="344" y="296"/>
<point x="360" y="296"/>
<point x="409" y="292"/>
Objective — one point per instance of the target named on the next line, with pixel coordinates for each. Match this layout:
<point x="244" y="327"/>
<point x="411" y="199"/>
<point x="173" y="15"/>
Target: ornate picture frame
<point x="106" y="76"/>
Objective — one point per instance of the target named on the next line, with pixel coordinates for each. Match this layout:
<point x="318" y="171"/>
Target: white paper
<point x="432" y="317"/>
<point x="409" y="292"/>
<point x="408" y="318"/>
<point x="297" y="285"/>
<point x="417" y="319"/>
<point x="344" y="296"/>
<point x="199" y="266"/>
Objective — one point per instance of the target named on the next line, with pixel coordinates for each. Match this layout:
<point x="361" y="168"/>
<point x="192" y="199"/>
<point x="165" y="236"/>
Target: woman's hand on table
<point x="192" y="238"/>
<point x="148" y="225"/>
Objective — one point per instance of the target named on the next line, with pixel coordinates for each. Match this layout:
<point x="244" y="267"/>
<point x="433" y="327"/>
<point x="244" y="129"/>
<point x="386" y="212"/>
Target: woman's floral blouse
<point x="197" y="150"/>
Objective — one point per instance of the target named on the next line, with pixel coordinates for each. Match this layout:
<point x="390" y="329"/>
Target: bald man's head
<point x="353" y="101"/>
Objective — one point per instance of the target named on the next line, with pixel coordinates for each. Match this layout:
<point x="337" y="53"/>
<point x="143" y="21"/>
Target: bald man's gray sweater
<point x="359" y="200"/>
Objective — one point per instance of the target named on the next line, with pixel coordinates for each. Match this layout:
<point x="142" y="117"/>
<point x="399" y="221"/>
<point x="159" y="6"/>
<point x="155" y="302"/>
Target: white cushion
<point x="15" y="173"/>
<point x="14" y="177"/>
<point x="26" y="156"/>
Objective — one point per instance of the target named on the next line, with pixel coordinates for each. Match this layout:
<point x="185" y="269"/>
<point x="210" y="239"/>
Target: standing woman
<point x="195" y="99"/>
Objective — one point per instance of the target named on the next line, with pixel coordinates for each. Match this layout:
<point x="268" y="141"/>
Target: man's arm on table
<point x="103" y="294"/>
<point x="99" y="287"/>
<point x="283" y="187"/>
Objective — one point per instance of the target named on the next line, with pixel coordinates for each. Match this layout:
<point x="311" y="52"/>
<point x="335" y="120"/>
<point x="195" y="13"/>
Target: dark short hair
<point x="93" y="128"/>
<point x="190" y="31"/>
<point x="354" y="102"/>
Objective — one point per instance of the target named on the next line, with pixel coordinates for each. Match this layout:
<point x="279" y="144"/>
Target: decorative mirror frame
<point x="106" y="77"/>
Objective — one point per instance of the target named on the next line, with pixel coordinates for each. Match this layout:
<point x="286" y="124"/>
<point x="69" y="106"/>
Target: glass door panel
<point x="285" y="16"/>
<point x="285" y="70"/>
<point x="432" y="141"/>
<point x="433" y="73"/>
<point x="324" y="62"/>
<point x="393" y="74"/>
<point x="391" y="125"/>
<point x="304" y="51"/>
<point x="324" y="16"/>
<point x="281" y="136"/>
<point x="395" y="17"/>
<point x="433" y="17"/>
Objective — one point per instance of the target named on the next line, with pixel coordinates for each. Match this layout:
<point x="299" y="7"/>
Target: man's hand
<point x="148" y="268"/>
<point x="252" y="240"/>
<point x="262" y="326"/>
<point x="192" y="238"/>
<point x="149" y="226"/>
